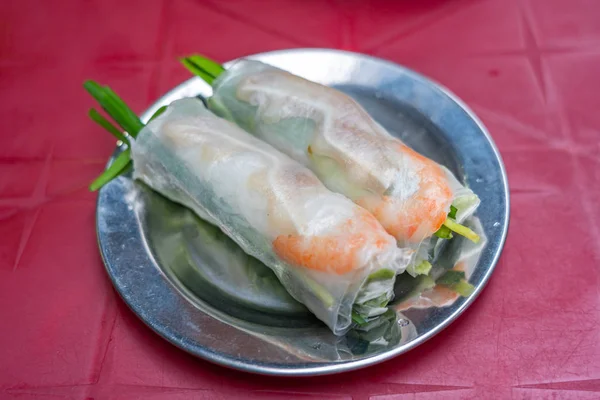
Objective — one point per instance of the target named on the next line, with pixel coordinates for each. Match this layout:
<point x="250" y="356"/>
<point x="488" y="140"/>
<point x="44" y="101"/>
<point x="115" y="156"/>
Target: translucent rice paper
<point x="240" y="287"/>
<point x="327" y="252"/>
<point x="351" y="153"/>
<point x="466" y="259"/>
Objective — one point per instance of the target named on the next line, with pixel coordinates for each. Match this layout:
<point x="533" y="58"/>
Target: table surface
<point x="529" y="69"/>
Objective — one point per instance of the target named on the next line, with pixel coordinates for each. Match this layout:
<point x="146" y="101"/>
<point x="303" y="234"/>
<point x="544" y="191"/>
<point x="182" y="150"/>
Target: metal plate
<point x="181" y="276"/>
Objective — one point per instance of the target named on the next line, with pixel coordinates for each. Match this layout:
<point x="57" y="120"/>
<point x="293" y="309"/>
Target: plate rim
<point x="345" y="366"/>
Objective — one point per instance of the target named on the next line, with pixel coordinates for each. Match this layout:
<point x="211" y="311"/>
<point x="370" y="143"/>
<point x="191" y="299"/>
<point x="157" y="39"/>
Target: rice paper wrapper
<point x="464" y="257"/>
<point x="242" y="291"/>
<point x="274" y="208"/>
<point x="351" y="153"/>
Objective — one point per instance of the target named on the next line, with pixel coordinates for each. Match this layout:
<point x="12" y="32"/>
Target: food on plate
<point x="329" y="253"/>
<point x="413" y="197"/>
<point x="448" y="278"/>
<point x="218" y="272"/>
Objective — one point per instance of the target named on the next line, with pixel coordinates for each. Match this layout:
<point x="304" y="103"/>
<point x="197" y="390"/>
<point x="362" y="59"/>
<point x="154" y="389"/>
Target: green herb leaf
<point x="212" y="67"/>
<point x="124" y="117"/>
<point x="208" y="70"/>
<point x="132" y="119"/>
<point x="381" y="275"/>
<point x="421" y="268"/>
<point x="199" y="72"/>
<point x="464" y="288"/>
<point x="103" y="122"/>
<point x="115" y="107"/>
<point x="118" y="166"/>
<point x="456" y="281"/>
<point x="444" y="232"/>
<point x="461" y="230"/>
<point x="358" y="319"/>
<point x="451" y="277"/>
<point x="158" y="113"/>
<point x="407" y="286"/>
<point x="452" y="213"/>
<point x="380" y="301"/>
<point x="318" y="290"/>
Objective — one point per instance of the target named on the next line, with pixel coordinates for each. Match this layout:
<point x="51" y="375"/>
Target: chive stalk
<point x="461" y="230"/>
<point x="126" y="120"/>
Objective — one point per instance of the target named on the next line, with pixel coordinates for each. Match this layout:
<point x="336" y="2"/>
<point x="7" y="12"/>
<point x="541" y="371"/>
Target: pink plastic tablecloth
<point x="530" y="70"/>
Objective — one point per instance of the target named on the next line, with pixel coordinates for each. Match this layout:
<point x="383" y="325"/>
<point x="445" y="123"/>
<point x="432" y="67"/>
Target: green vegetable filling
<point x="381" y="275"/>
<point x="450" y="225"/>
<point x="451" y="277"/>
<point x="358" y="319"/>
<point x="452" y="213"/>
<point x="456" y="281"/>
<point x="207" y="69"/>
<point x="125" y="118"/>
<point x="423" y="268"/>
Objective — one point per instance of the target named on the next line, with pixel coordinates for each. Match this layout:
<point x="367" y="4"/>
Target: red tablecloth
<point x="531" y="71"/>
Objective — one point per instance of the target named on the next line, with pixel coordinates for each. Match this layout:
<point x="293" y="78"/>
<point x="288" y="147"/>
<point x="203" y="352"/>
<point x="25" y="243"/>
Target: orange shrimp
<point x="438" y="296"/>
<point x="424" y="212"/>
<point x="347" y="134"/>
<point x="335" y="253"/>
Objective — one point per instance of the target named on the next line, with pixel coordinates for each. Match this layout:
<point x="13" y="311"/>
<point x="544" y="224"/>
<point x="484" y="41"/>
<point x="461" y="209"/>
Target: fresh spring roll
<point x="328" y="131"/>
<point x="330" y="254"/>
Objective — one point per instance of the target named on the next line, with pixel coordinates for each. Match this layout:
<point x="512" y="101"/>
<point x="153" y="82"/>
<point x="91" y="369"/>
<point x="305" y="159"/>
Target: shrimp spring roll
<point x="330" y="254"/>
<point x="412" y="196"/>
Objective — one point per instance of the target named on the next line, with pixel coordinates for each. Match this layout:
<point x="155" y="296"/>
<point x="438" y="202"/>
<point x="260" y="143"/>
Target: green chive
<point x="158" y="113"/>
<point x="103" y="122"/>
<point x="423" y="268"/>
<point x="381" y="275"/>
<point x="198" y="71"/>
<point x="207" y="69"/>
<point x="115" y="107"/>
<point x="461" y="230"/>
<point x="135" y="124"/>
<point x="118" y="166"/>
<point x="358" y="319"/>
<point x="210" y="66"/>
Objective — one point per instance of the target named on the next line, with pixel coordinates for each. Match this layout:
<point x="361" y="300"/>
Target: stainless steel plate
<point x="189" y="282"/>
